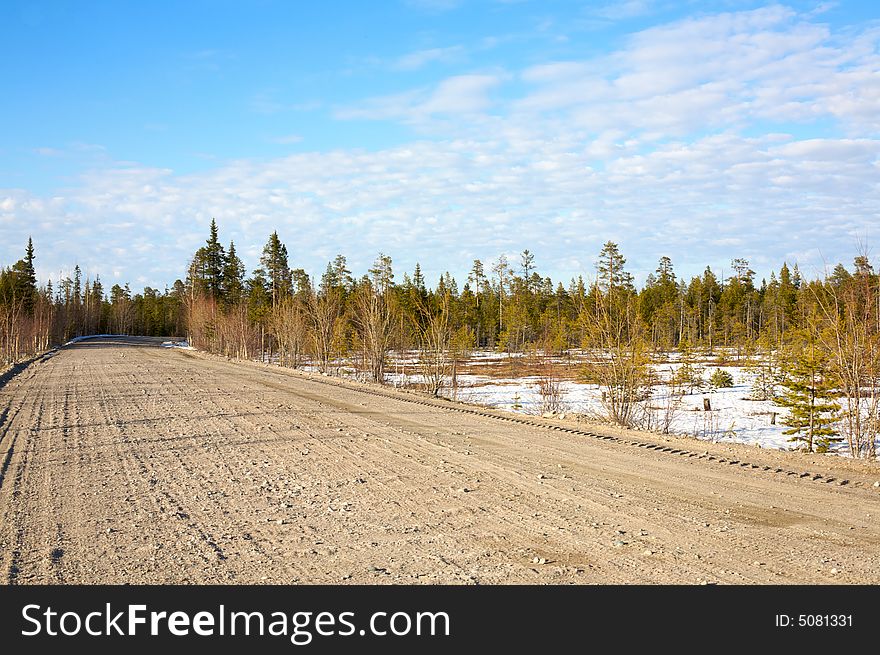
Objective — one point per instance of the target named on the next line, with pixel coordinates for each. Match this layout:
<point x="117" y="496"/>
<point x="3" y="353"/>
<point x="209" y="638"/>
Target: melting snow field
<point x="734" y="417"/>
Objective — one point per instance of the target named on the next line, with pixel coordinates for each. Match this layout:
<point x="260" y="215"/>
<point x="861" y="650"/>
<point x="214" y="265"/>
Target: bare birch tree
<point x="434" y="333"/>
<point x="621" y="356"/>
<point x="324" y="310"/>
<point x="374" y="317"/>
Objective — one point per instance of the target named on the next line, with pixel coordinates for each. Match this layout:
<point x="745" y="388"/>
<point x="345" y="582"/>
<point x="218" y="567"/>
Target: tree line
<point x="35" y="317"/>
<point x="814" y="342"/>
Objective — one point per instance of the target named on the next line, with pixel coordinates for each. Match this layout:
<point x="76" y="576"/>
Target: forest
<point x="815" y="343"/>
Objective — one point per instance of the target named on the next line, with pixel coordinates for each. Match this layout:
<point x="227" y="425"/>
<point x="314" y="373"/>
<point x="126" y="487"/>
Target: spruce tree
<point x="721" y="379"/>
<point x="25" y="280"/>
<point x="276" y="269"/>
<point x="98" y="303"/>
<point x="418" y="280"/>
<point x="766" y="369"/>
<point x="328" y="280"/>
<point x="259" y="298"/>
<point x="840" y="277"/>
<point x="503" y="272"/>
<point x="809" y="396"/>
<point x="213" y="264"/>
<point x="233" y="276"/>
<point x="527" y="263"/>
<point x="787" y="291"/>
<point x="336" y="276"/>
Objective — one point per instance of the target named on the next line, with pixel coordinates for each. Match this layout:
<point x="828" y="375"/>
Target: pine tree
<point x="341" y="273"/>
<point x="863" y="266"/>
<point x="302" y="283"/>
<point x="809" y="397"/>
<point x="743" y="273"/>
<point x="381" y="274"/>
<point x="502" y="271"/>
<point x="477" y="275"/>
<point x="689" y="375"/>
<point x="665" y="272"/>
<point x="610" y="268"/>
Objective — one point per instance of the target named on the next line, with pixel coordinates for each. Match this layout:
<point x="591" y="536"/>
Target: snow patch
<point x="92" y="336"/>
<point x="182" y="344"/>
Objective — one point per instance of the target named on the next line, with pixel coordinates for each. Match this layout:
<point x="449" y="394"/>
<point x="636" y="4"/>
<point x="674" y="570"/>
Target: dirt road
<point x="121" y="461"/>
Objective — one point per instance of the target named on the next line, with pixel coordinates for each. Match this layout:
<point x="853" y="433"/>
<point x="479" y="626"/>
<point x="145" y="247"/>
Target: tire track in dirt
<point x="14" y="401"/>
<point x="690" y="522"/>
<point x="340" y="449"/>
<point x="321" y="450"/>
<point x="333" y="445"/>
<point x="19" y="509"/>
<point x="210" y="450"/>
<point x="156" y="509"/>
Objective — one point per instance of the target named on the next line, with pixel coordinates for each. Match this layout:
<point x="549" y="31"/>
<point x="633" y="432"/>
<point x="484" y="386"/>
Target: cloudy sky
<point x="439" y="131"/>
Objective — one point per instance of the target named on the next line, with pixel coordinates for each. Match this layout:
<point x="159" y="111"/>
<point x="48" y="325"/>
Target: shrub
<point x="721" y="379"/>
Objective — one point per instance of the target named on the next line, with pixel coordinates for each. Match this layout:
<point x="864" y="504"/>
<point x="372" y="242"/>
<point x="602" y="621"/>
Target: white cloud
<point x="443" y="203"/>
<point x="717" y="71"/>
<point x="625" y="9"/>
<point x="461" y="94"/>
<point x="420" y="58"/>
<point x="48" y="152"/>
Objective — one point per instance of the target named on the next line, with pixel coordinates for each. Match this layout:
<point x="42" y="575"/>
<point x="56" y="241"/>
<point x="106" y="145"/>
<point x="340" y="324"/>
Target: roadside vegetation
<point x="811" y="345"/>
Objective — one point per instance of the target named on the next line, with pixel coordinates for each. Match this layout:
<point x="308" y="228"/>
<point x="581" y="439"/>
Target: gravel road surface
<point x="125" y="462"/>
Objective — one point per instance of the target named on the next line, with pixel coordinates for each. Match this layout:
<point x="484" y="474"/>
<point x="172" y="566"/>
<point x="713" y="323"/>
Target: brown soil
<point x="121" y="461"/>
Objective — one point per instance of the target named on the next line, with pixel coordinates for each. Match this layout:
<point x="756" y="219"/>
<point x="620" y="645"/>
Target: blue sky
<point x="439" y="131"/>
